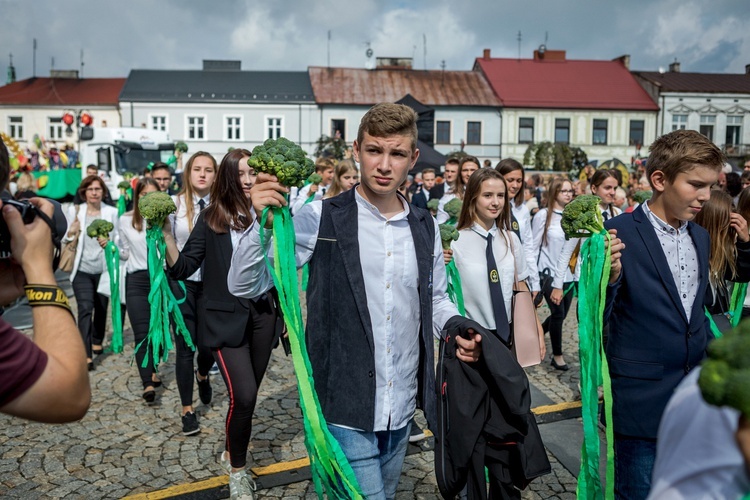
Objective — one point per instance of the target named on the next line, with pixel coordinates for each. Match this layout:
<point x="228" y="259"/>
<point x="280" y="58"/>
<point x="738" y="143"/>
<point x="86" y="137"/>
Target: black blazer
<point x="222" y="317"/>
<point x="418" y="199"/>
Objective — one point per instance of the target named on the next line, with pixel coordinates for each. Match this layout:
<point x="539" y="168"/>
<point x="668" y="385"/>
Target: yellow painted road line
<point x="542" y="410"/>
<point x="182" y="489"/>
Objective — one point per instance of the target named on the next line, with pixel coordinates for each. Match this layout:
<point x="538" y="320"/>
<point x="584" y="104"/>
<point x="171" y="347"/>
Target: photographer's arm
<point x="62" y="392"/>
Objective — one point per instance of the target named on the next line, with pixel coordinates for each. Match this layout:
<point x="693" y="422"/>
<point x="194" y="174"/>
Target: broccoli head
<point x="582" y="217"/>
<point x="155" y="207"/>
<point x="123" y="185"/>
<point x="642" y="196"/>
<point x="100" y="228"/>
<point x="181" y="146"/>
<point x="448" y="234"/>
<point x="315" y="178"/>
<point x="725" y="375"/>
<point x="453" y="208"/>
<point x="433" y="204"/>
<point x="284" y="159"/>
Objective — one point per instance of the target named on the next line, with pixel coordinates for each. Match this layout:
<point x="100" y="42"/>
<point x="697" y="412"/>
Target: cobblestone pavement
<point x="124" y="447"/>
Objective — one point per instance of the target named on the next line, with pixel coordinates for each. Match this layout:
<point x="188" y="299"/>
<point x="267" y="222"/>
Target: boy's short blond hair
<point x="680" y="151"/>
<point x="386" y="119"/>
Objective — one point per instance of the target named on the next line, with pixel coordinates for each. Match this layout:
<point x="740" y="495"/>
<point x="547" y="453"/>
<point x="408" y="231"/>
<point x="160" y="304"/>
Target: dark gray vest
<point x="339" y="330"/>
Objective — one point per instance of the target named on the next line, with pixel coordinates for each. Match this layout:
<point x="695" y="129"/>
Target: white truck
<point x="117" y="151"/>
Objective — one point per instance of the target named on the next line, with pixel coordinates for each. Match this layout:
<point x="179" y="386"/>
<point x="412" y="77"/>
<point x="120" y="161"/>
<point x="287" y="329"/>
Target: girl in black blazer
<point x="240" y="332"/>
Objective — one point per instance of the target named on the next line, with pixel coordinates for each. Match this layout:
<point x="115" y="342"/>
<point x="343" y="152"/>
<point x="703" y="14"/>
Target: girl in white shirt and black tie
<point x="604" y="185"/>
<point x="489" y="257"/>
<point x="132" y="246"/>
<point x="200" y="172"/>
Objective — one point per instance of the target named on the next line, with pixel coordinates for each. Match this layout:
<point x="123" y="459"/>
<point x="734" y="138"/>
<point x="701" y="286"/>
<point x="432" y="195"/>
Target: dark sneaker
<point x="416" y="434"/>
<point x="214" y="370"/>
<point x="204" y="389"/>
<point x="190" y="424"/>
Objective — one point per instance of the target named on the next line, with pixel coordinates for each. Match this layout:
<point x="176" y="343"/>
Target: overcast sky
<point x="705" y="36"/>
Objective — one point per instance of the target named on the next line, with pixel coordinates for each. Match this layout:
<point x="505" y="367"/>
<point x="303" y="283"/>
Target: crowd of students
<point x="377" y="298"/>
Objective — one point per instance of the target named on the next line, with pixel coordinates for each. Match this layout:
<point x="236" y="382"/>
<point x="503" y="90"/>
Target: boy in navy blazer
<point x="655" y="300"/>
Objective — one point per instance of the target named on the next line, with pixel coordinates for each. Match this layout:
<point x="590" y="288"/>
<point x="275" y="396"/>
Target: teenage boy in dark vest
<point x="375" y="299"/>
<point x="658" y="329"/>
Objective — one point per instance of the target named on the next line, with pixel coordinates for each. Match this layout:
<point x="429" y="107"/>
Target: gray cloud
<point x="292" y="34"/>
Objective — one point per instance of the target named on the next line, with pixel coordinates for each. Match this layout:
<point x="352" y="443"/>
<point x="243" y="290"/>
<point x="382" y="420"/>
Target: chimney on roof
<point x="747" y="69"/>
<point x="486" y="55"/>
<point x="393" y="63"/>
<point x="674" y="67"/>
<point x="545" y="54"/>
<point x="219" y="65"/>
<point x="624" y="60"/>
<point x="63" y="73"/>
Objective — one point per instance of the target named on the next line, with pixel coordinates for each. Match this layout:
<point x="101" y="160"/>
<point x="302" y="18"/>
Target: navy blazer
<point x="418" y="199"/>
<point x="652" y="344"/>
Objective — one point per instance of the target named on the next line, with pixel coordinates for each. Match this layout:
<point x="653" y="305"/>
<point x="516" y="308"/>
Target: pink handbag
<point x="523" y="327"/>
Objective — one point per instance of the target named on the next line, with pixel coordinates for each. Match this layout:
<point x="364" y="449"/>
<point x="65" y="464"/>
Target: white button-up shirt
<point x="470" y="254"/>
<point x="180" y="227"/>
<point x="389" y="267"/>
<point x="682" y="257"/>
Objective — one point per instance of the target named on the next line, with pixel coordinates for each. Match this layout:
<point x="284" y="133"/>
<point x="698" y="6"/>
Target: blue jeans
<point x="376" y="458"/>
<point x="634" y="463"/>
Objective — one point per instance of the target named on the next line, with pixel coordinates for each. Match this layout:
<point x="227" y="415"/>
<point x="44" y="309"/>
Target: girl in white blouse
<point x="132" y="246"/>
<point x="486" y="212"/>
<point x="604" y="185"/>
<point x="549" y="245"/>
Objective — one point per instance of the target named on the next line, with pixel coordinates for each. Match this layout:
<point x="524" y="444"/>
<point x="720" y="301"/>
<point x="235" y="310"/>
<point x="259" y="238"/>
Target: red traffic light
<point x="68" y="119"/>
<point x="86" y="119"/>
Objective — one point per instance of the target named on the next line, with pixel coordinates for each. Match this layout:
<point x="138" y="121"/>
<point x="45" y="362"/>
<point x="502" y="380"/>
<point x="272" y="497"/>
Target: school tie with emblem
<point x="496" y="294"/>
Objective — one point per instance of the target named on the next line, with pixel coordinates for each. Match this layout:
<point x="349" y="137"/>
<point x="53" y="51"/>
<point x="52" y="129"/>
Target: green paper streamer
<point x="112" y="257"/>
<point x="163" y="303"/>
<point x="330" y="469"/>
<point x="121" y="205"/>
<point x="739" y="292"/>
<point x="712" y="324"/>
<point x="452" y="221"/>
<point x="592" y="288"/>
<point x="454" y="289"/>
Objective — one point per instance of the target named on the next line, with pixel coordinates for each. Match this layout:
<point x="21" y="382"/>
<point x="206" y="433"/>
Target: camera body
<point x="58" y="224"/>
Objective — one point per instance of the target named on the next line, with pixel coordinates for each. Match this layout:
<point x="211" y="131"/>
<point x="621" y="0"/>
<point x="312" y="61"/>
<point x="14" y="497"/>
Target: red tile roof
<point x="698" y="82"/>
<point x="63" y="91"/>
<point x="432" y="88"/>
<point x="564" y="84"/>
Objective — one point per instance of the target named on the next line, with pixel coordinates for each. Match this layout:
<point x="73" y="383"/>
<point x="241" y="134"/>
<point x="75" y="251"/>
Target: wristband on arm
<point x="46" y="295"/>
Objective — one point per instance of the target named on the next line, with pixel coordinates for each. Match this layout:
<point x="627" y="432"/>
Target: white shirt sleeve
<point x="522" y="269"/>
<point x="564" y="261"/>
<point x="248" y="275"/>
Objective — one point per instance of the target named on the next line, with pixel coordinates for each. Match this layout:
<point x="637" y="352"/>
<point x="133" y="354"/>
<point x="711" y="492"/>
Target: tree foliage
<point x="557" y="156"/>
<point x="330" y="147"/>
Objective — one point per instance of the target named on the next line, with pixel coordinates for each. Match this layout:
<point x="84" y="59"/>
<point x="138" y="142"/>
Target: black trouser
<point x="243" y="368"/>
<point x="137" y="288"/>
<point x="185" y="355"/>
<point x="558" y="312"/>
<point x="92" y="309"/>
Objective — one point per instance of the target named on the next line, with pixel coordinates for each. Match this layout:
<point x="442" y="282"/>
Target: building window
<point x="525" y="130"/>
<point x="338" y="128"/>
<point x="196" y="128"/>
<point x="233" y="128"/>
<point x="442" y="132"/>
<point x="55" y="128"/>
<point x="562" y="130"/>
<point x="636" y="132"/>
<point x="679" y="122"/>
<point x="707" y="126"/>
<point x="274" y="127"/>
<point x="473" y="132"/>
<point x="158" y="122"/>
<point x="600" y="132"/>
<point x="734" y="131"/>
<point x="15" y="127"/>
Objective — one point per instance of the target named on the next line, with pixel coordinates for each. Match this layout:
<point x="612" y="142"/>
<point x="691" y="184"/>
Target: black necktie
<point x="496" y="294"/>
<point x="201" y="205"/>
<point x="605" y="215"/>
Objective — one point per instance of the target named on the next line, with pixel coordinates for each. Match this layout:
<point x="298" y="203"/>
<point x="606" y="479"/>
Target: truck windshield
<point x="135" y="160"/>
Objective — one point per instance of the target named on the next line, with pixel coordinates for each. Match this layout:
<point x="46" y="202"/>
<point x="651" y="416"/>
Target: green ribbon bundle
<point x="112" y="257"/>
<point x="454" y="289"/>
<point x="592" y="289"/>
<point x="330" y="468"/>
<point x="739" y="292"/>
<point x="163" y="303"/>
<point x="121" y="205"/>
